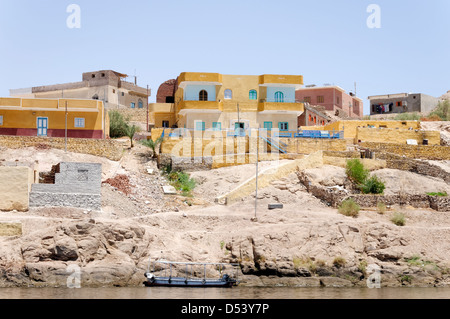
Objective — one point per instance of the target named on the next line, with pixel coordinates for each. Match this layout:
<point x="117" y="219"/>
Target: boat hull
<point x="183" y="282"/>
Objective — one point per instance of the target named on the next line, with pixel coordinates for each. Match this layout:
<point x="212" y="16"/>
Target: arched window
<point x="315" y="120"/>
<point x="310" y="117"/>
<point x="279" y="96"/>
<point x="140" y="104"/>
<point x="95" y="97"/>
<point x="203" y="96"/>
<point x="228" y="94"/>
<point x="252" y="95"/>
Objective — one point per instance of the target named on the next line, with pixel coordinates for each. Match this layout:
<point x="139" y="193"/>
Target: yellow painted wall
<point x="15" y="184"/>
<point x="26" y="116"/>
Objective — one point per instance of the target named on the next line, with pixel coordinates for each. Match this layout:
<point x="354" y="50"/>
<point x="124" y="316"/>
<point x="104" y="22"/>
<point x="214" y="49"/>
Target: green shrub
<point x="398" y="219"/>
<point x="181" y="181"/>
<point x="356" y="172"/>
<point x="373" y="185"/>
<point x="117" y="124"/>
<point x="349" y="207"/>
<point x="442" y="111"/>
<point x="442" y="194"/>
<point x="381" y="208"/>
<point x="407" y="117"/>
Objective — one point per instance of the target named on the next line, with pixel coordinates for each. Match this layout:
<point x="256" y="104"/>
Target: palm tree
<point x="130" y="131"/>
<point x="153" y="144"/>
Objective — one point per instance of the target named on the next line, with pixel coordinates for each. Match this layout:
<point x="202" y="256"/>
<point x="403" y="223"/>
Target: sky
<point x="326" y="41"/>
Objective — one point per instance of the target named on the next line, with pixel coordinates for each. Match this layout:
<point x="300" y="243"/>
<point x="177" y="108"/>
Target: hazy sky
<point x="326" y="41"/>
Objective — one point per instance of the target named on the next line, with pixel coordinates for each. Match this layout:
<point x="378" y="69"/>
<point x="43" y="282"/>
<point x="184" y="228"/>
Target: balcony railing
<point x="273" y="100"/>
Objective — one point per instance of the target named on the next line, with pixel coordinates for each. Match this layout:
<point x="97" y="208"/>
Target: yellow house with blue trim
<point x="53" y="118"/>
<point x="218" y="101"/>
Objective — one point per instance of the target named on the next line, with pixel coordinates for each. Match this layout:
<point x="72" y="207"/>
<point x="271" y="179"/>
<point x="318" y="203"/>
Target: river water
<point x="224" y="293"/>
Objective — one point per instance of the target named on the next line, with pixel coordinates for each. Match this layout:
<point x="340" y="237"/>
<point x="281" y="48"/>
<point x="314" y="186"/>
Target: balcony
<point x="281" y="80"/>
<point x="199" y="78"/>
<point x="212" y="106"/>
<point x="272" y="106"/>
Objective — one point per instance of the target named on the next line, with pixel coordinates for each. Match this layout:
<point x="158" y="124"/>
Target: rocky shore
<point x="307" y="243"/>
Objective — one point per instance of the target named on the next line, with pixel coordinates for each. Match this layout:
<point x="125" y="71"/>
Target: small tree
<point x="356" y="172"/>
<point x="130" y="130"/>
<point x="153" y="144"/>
<point x="117" y="124"/>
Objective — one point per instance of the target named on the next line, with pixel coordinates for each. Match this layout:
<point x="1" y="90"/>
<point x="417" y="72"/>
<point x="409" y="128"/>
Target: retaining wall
<point x="105" y="148"/>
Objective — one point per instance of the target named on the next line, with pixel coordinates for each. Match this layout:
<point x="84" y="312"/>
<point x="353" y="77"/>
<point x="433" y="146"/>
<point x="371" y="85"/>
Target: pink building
<point x="332" y="98"/>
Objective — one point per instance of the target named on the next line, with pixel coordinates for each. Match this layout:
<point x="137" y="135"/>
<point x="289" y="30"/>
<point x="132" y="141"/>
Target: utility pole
<point x="65" y="144"/>
<point x="147" y="108"/>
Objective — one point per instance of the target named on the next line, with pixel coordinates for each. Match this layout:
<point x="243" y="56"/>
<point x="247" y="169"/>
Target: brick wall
<point x="166" y="89"/>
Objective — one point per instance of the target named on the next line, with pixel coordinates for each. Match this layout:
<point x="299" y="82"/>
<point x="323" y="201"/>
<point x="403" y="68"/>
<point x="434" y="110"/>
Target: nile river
<point x="224" y="293"/>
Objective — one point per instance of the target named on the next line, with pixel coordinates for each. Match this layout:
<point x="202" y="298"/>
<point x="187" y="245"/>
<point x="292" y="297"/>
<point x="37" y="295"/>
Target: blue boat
<point x="225" y="281"/>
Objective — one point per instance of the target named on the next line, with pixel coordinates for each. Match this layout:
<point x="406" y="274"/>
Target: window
<point x="114" y="91"/>
<point x="133" y="105"/>
<point x="140" y="104"/>
<point x="228" y="94"/>
<point x="79" y="122"/>
<point x="1" y="120"/>
<point x="268" y="125"/>
<point x="283" y="126"/>
<point x="165" y="124"/>
<point x="203" y="96"/>
<point x="279" y="97"/>
<point x="103" y="75"/>
<point x="170" y="99"/>
<point x="123" y="94"/>
<point x="252" y="95"/>
<point x="310" y="118"/>
<point x="199" y="126"/>
<point x="337" y="99"/>
<point x="216" y="126"/>
<point x="95" y="97"/>
<point x="398" y="103"/>
<point x="320" y="99"/>
<point x="93" y="75"/>
<point x="307" y="99"/>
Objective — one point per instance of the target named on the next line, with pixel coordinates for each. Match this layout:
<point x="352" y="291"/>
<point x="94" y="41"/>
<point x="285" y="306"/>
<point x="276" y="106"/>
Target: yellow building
<point x="225" y="102"/>
<point x="53" y="117"/>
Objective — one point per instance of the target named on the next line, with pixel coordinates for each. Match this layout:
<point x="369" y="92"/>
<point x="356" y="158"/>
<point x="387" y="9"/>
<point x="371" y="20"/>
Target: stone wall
<point x="334" y="197"/>
<point x="396" y="135"/>
<point x="430" y="152"/>
<point x="134" y="115"/>
<point x="15" y="184"/>
<point x="105" y="148"/>
<point x="76" y="185"/>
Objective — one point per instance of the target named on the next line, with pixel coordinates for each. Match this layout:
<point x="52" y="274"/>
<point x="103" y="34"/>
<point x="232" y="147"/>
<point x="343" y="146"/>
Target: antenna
<point x="355" y="88"/>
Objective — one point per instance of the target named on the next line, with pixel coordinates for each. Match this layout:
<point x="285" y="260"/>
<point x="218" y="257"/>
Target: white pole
<point x="65" y="146"/>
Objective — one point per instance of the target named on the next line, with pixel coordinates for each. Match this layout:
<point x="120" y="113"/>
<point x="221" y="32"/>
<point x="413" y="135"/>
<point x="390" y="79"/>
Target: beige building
<point x="107" y="85"/>
<point x="203" y="101"/>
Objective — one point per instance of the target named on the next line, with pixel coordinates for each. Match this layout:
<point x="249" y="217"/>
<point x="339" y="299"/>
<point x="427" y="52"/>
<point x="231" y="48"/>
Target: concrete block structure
<point x="402" y="103"/>
<point x="76" y="185"/>
<point x="53" y="118"/>
<point x="106" y="85"/>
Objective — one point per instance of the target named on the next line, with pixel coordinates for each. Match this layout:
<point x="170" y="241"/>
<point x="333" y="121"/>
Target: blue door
<point x="42" y="126"/>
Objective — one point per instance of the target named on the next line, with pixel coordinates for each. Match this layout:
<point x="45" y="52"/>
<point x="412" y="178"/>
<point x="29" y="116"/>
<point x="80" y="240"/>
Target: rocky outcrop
<point x="296" y="250"/>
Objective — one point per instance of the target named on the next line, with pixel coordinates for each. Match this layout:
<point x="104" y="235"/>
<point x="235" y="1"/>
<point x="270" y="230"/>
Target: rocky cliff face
<point x="309" y="249"/>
